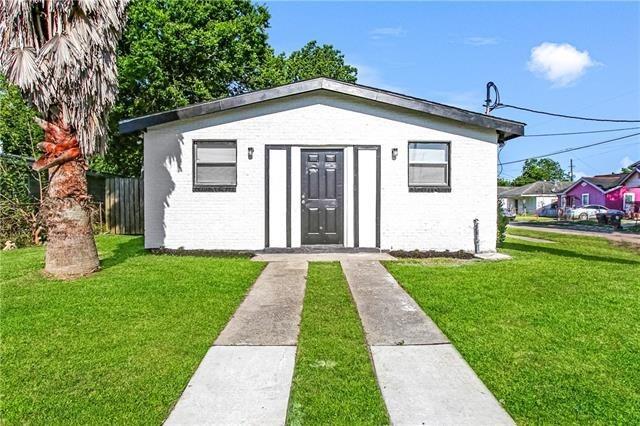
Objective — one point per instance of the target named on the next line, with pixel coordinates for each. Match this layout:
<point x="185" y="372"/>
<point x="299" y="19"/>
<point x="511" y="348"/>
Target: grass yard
<point x="333" y="381"/>
<point x="553" y="333"/>
<point x="114" y="348"/>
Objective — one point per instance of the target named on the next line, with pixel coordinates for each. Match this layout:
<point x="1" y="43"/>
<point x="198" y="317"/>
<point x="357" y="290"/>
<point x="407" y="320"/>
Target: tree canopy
<point x="504" y="182"/>
<point x="536" y="169"/>
<point x="309" y="62"/>
<point x="19" y="133"/>
<point x="174" y="53"/>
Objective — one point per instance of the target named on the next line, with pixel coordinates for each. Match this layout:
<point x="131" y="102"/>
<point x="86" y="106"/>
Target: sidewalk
<point x="245" y="378"/>
<point x="423" y="378"/>
<point x="633" y="239"/>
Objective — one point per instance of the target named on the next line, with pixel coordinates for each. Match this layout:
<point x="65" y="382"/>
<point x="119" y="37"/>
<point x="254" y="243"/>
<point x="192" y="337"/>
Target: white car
<point x="586" y="212"/>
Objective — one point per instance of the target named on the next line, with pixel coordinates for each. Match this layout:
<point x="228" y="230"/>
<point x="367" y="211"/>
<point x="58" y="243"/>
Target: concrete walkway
<point x="245" y="378"/>
<point x="633" y="239"/>
<point x="423" y="379"/>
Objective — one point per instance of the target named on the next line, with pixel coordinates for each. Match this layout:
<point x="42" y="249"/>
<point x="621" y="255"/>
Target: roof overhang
<point x="507" y="129"/>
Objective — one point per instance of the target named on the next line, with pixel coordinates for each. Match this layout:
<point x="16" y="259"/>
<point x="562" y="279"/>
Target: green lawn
<point x="554" y="333"/>
<point x="333" y="381"/>
<point x="114" y="348"/>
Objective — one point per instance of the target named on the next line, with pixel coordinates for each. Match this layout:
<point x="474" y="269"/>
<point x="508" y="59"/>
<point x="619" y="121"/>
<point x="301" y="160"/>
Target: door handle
<point x="302" y="202"/>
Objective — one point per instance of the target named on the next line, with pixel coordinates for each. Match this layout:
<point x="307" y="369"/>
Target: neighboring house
<point x="619" y="191"/>
<point x="527" y="199"/>
<point x="320" y="163"/>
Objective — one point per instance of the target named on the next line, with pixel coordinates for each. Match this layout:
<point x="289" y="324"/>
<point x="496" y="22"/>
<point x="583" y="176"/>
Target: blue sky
<point x="587" y="62"/>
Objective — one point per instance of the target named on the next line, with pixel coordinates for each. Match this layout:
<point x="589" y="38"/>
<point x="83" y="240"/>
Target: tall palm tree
<point x="62" y="55"/>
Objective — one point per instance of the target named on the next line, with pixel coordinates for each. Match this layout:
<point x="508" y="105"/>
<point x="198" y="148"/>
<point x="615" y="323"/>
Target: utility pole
<point x="571" y="169"/>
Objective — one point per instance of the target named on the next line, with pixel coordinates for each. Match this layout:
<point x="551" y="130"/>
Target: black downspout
<point x="476" y="236"/>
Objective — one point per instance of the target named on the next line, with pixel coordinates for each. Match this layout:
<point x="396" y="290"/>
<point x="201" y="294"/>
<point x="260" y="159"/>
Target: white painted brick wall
<point x="177" y="217"/>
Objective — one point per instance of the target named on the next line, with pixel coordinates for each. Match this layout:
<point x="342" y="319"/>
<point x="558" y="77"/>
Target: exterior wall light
<point x="250" y="152"/>
<point x="394" y="153"/>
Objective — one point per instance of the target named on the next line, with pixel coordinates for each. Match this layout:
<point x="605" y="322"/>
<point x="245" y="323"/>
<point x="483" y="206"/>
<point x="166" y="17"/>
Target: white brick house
<point x="320" y="163"/>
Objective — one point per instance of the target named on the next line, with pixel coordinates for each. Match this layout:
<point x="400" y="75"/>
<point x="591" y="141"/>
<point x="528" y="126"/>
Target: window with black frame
<point x="429" y="164"/>
<point x="215" y="165"/>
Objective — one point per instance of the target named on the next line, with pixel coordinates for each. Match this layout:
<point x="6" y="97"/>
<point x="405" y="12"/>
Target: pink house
<point x="615" y="191"/>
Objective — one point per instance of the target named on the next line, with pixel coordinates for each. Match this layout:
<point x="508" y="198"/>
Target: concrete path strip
<point x="245" y="378"/>
<point x="433" y="385"/>
<point x="236" y="385"/>
<point x="270" y="314"/>
<point x="620" y="237"/>
<point x="389" y="315"/>
<point x="423" y="379"/>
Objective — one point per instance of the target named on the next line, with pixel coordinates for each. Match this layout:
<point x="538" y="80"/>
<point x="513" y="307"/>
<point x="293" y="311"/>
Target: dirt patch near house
<point x="430" y="254"/>
<point x="446" y="262"/>
<point x="201" y="253"/>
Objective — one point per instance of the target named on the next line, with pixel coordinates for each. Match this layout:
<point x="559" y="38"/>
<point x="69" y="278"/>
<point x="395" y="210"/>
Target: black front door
<point x="322" y="195"/>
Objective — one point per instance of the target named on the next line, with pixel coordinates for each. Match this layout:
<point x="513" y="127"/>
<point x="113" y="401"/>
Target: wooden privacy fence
<point x="124" y="205"/>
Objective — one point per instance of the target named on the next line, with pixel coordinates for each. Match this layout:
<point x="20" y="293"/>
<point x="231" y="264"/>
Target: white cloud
<point x="626" y="162"/>
<point x="562" y="64"/>
<point x="370" y="76"/>
<point x="386" y="32"/>
<point x="579" y="175"/>
<point x="481" y="41"/>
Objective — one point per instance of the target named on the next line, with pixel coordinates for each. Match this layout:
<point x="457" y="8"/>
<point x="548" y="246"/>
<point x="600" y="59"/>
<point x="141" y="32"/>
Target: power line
<point x="617" y="148"/>
<point x="574" y="117"/>
<point x="539" y="135"/>
<point x="571" y="149"/>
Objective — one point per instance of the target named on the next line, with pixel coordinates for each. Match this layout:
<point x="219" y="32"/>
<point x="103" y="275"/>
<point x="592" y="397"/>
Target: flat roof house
<point x="320" y="163"/>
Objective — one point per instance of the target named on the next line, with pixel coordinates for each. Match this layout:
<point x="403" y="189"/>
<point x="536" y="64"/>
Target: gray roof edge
<point x="509" y="128"/>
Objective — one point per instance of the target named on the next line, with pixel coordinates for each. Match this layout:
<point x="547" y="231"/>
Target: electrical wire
<point x="539" y="135"/>
<point x="571" y="149"/>
<point x="617" y="148"/>
<point x="574" y="117"/>
<point x="500" y="148"/>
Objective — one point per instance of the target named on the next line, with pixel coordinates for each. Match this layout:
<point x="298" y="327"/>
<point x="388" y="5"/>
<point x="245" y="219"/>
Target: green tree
<point x="175" y="53"/>
<point x="179" y="52"/>
<point x="504" y="182"/>
<point x="536" y="169"/>
<point x="19" y="133"/>
<point x="309" y="62"/>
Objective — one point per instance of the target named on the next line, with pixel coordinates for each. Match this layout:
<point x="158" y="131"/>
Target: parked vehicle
<point x="550" y="210"/>
<point x="509" y="214"/>
<point x="586" y="212"/>
<point x="612" y="212"/>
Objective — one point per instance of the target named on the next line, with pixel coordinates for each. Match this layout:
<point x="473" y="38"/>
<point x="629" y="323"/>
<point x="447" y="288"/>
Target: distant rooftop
<point x="541" y="187"/>
<point x="606" y="182"/>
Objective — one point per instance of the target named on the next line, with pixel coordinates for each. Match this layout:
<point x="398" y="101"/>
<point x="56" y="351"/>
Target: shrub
<point x="502" y="227"/>
<point x="19" y="219"/>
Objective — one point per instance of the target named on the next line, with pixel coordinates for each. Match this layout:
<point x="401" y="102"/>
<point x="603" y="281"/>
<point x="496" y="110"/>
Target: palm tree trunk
<point x="71" y="249"/>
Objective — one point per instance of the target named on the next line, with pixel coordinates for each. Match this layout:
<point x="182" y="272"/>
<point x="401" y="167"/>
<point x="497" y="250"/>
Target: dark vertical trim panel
<point x="356" y="231"/>
<point x="288" y="196"/>
<point x="266" y="196"/>
<point x="378" y="191"/>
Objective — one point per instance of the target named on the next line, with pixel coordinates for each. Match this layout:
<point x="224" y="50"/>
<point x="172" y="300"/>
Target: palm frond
<point x="22" y="69"/>
<point x="61" y="53"/>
